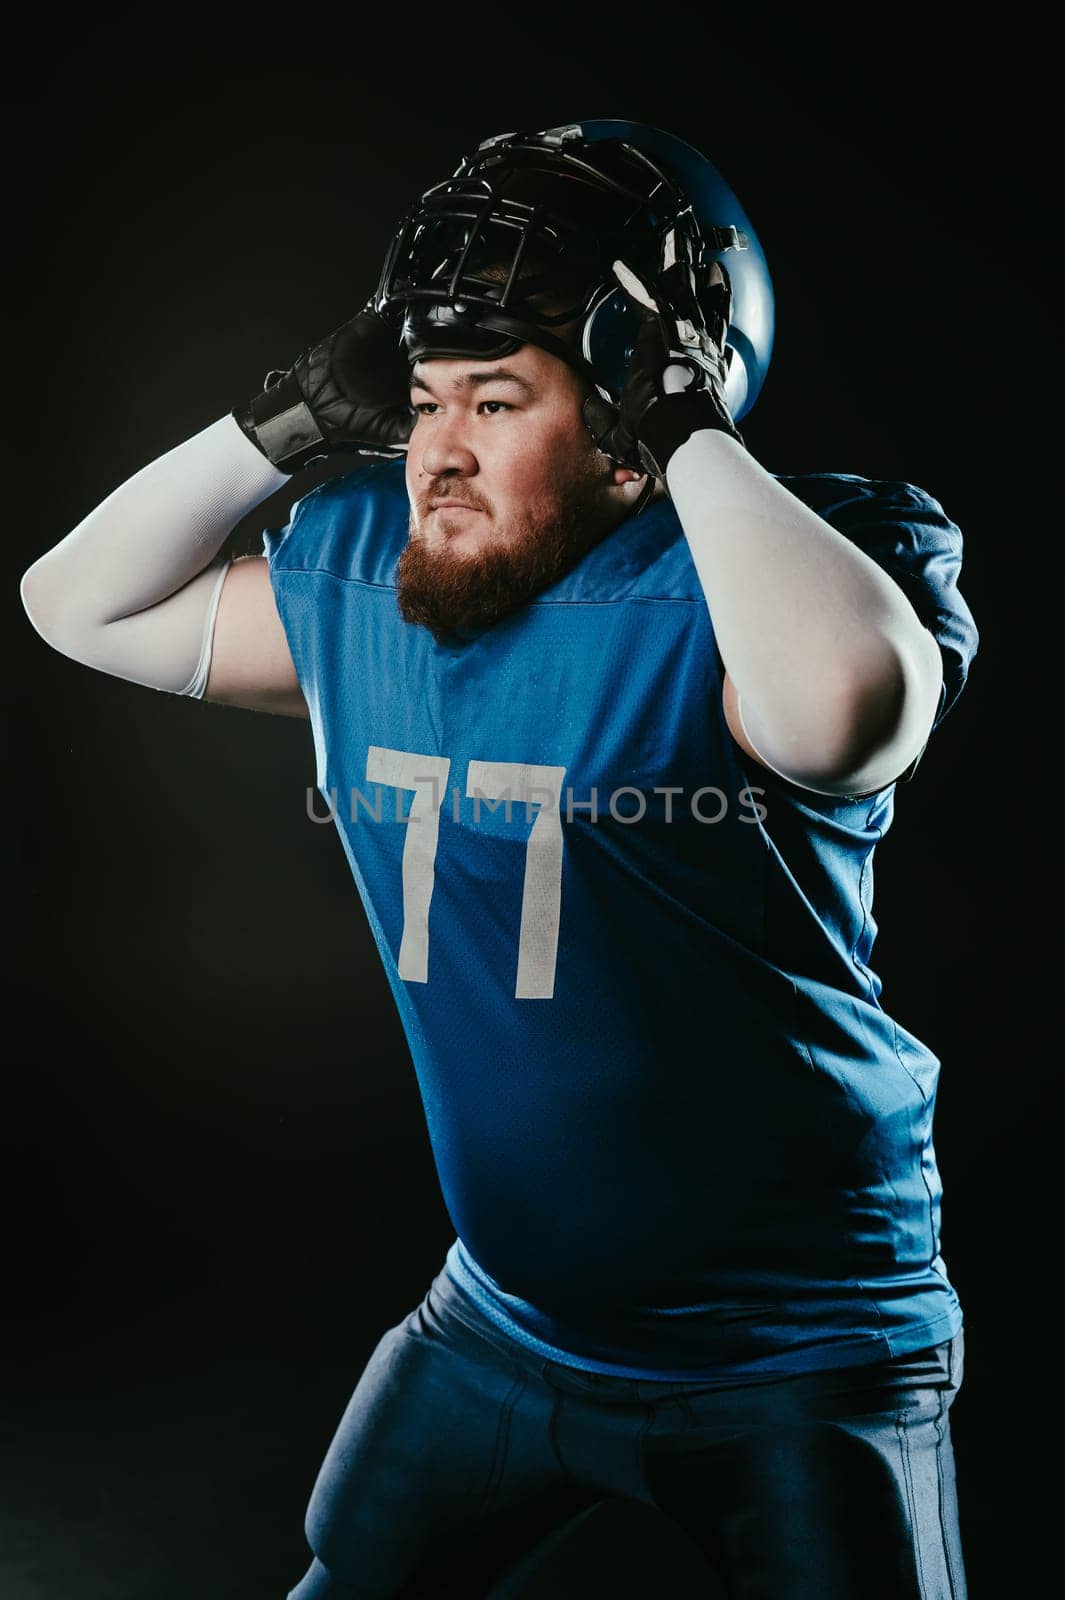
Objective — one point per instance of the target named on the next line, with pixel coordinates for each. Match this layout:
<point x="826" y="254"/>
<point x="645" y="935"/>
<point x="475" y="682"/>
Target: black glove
<point x="350" y="392"/>
<point x="681" y="325"/>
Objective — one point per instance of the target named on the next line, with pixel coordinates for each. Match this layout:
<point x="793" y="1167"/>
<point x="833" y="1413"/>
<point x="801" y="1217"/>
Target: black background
<point x="220" y="1189"/>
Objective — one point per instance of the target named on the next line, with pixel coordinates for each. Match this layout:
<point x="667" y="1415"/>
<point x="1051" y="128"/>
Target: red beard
<point x="445" y="592"/>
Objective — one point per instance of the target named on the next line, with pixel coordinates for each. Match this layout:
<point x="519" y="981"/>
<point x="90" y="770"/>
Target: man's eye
<point x="426" y="406"/>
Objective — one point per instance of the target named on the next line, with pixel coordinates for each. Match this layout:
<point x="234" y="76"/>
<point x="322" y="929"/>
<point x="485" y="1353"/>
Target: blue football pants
<point x="463" y="1459"/>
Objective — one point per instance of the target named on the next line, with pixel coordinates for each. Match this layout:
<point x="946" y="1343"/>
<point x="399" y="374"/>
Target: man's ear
<point x="645" y="490"/>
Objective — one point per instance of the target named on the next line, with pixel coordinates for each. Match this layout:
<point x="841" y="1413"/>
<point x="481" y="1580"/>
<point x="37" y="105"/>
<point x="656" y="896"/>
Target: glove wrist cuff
<point x="281" y="424"/>
<point x="672" y="419"/>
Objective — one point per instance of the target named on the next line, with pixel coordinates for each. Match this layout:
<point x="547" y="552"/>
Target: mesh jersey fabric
<point x="676" y="1131"/>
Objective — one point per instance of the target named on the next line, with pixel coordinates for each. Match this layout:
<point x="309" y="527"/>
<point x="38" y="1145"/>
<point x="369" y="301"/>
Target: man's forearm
<point x="838" y="680"/>
<point x="130" y="589"/>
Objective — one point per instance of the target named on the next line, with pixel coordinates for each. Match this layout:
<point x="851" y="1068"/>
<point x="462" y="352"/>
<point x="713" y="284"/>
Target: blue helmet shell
<point x="610" y="331"/>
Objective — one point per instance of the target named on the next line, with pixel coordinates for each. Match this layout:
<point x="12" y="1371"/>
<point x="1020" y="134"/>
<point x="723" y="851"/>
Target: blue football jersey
<point x="677" y="1133"/>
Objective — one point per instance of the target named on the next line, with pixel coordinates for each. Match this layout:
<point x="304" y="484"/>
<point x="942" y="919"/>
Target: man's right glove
<point x="350" y="392"/>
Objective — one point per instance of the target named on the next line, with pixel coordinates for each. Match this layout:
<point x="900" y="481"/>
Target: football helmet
<point x="518" y="247"/>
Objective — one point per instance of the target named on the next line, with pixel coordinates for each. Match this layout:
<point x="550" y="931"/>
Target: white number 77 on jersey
<point x="542" y="889"/>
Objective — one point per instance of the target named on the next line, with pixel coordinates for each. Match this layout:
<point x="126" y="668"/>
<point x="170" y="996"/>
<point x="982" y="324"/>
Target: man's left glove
<point x="681" y="326"/>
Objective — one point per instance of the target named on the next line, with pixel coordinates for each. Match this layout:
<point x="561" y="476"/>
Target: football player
<point x="610" y="719"/>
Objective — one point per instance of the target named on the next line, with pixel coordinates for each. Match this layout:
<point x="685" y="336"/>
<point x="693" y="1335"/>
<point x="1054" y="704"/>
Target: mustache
<point x="456" y="499"/>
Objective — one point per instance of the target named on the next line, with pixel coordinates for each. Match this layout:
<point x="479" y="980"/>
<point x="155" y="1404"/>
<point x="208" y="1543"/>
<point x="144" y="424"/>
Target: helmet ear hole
<point x="610" y="332"/>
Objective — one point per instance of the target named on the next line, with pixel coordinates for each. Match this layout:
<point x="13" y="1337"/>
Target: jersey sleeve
<point x="907" y="533"/>
<point x="346" y="532"/>
<point x="295" y="554"/>
<point x="294" y="544"/>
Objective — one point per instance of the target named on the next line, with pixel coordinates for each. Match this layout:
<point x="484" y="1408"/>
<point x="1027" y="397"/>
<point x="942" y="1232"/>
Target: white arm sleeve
<point x="838" y="679"/>
<point x="133" y="590"/>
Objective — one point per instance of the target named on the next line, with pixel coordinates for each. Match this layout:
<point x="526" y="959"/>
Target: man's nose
<point x="446" y="448"/>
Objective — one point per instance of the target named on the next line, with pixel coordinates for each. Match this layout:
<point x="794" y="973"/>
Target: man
<point x="609" y="718"/>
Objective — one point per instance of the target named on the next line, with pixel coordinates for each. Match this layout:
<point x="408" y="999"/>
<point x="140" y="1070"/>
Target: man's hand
<point x="675" y="379"/>
<point x="350" y="392"/>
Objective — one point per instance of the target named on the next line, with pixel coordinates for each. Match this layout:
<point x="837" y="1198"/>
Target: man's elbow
<point x="865" y="734"/>
<point x="60" y="618"/>
<point x="891" y="716"/>
<point x="40" y="600"/>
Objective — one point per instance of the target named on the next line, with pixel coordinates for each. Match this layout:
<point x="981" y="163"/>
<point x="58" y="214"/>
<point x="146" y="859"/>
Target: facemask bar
<point x="471" y="197"/>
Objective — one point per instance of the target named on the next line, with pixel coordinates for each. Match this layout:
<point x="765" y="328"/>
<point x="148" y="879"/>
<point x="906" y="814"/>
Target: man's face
<point x="507" y="490"/>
